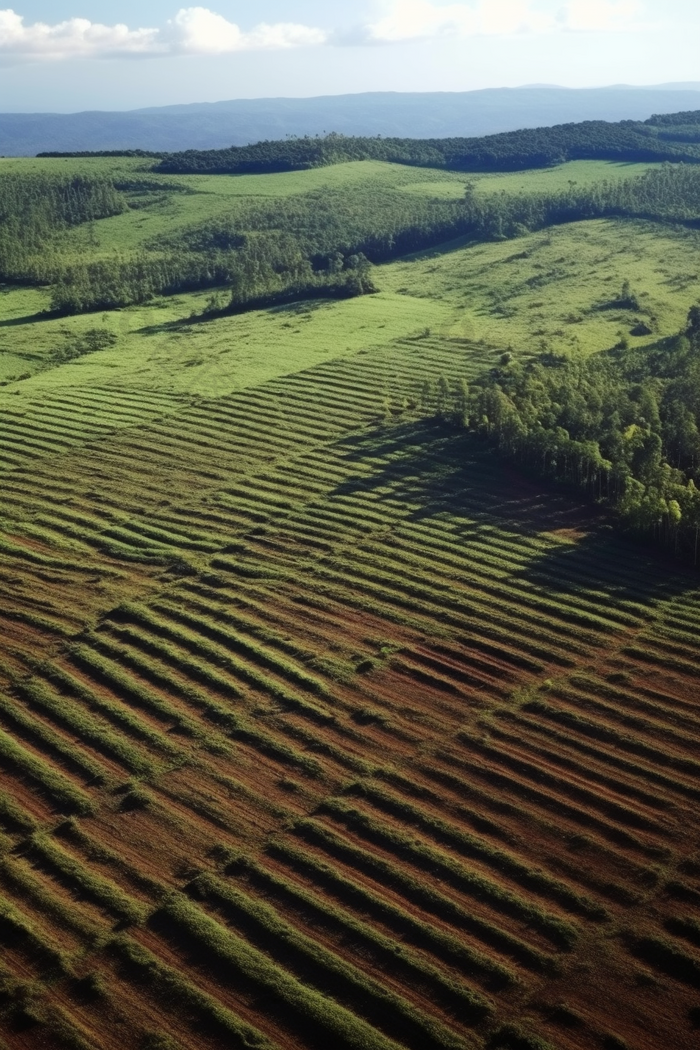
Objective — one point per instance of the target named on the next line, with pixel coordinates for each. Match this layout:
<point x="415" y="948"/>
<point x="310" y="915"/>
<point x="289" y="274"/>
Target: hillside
<point x="320" y="724"/>
<point x="674" y="138"/>
<point x="422" y="115"/>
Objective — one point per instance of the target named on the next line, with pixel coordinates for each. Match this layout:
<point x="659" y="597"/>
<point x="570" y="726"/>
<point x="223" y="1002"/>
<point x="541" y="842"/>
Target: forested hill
<point x="674" y="138"/>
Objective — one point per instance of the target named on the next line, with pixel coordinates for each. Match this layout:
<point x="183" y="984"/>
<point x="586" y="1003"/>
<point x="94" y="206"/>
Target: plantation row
<point x="326" y="731"/>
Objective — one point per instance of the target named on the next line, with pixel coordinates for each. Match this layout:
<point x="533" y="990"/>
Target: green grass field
<point x="577" y="172"/>
<point x="549" y="288"/>
<point x="499" y="293"/>
<point x="176" y="202"/>
<point x="318" y="725"/>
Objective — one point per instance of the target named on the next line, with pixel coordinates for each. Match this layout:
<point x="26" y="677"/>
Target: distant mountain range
<point x="420" y="115"/>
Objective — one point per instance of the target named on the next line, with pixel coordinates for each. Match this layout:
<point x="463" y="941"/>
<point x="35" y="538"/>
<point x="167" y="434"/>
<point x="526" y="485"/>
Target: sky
<point x="72" y="55"/>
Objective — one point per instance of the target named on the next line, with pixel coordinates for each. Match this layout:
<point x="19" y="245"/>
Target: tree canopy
<point x="508" y="151"/>
<point x="623" y="425"/>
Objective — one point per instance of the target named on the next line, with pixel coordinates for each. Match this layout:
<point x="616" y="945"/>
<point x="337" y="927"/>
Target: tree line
<point x="626" y="140"/>
<point x="623" y="426"/>
<point x="663" y="137"/>
<point x="254" y="279"/>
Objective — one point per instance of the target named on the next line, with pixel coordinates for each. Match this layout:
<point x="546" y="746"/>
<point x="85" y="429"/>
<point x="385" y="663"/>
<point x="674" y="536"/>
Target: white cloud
<point x="411" y="19"/>
<point x="74" y="37"/>
<point x="201" y="31"/>
<point x="193" y="30"/>
<point x="421" y="19"/>
<point x="197" y="30"/>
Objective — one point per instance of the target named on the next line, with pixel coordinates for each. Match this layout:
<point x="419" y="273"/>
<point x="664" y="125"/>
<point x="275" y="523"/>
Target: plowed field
<point x="318" y="727"/>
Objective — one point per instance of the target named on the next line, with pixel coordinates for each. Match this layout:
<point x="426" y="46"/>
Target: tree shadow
<point x="296" y="304"/>
<point x="16" y="322"/>
<point x="172" y="326"/>
<point x="449" y="474"/>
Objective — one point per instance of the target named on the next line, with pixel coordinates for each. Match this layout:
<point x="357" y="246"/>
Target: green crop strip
<point x="417" y="890"/>
<point x="24" y="931"/>
<point x="13" y="816"/>
<point x="56" y="785"/>
<point x="501" y="780"/>
<point x="321" y="1013"/>
<point x="386" y="950"/>
<point x="559" y="932"/>
<point x="102" y="891"/>
<point x="328" y="971"/>
<point x="45" y="738"/>
<point x="422" y="934"/>
<point x="31" y="890"/>
<point x="233" y="722"/>
<point x="469" y="845"/>
<point x="85" y="726"/>
<point x="235" y="643"/>
<point x="167" y="984"/>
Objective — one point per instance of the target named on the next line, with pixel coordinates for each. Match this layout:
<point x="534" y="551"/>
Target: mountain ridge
<point x="217" y="125"/>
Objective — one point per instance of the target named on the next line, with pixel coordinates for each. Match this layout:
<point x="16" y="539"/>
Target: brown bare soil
<point x="358" y="703"/>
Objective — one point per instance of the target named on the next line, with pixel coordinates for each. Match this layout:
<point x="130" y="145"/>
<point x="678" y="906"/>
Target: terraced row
<point x="370" y="749"/>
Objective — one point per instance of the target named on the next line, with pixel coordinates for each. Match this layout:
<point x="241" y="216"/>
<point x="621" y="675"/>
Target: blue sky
<point x="65" y="55"/>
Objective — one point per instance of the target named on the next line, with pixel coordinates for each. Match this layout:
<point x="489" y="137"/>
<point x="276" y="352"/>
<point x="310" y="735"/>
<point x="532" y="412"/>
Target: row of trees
<point x="624" y="426"/>
<point x="656" y="139"/>
<point x="670" y="193"/>
<point x="686" y="118"/>
<point x="259" y="275"/>
<point x="105" y="284"/>
<point x="662" y="137"/>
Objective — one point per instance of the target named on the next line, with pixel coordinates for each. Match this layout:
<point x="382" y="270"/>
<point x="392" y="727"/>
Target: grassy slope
<point x="216" y="357"/>
<point x="581" y="172"/>
<point x="549" y="288"/>
<point x="499" y="293"/>
<point x="430" y="704"/>
<point x="208" y="196"/>
<point x="555" y="285"/>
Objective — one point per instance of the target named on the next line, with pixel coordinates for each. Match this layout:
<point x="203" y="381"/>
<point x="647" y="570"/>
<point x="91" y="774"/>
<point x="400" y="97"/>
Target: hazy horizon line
<point x="689" y="85"/>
